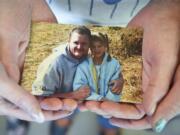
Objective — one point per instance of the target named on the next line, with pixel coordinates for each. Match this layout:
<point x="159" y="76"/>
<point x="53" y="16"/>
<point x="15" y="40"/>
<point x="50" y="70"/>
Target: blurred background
<point x="85" y="124"/>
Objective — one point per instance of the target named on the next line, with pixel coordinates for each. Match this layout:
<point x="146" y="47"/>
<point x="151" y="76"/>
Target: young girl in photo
<point x="100" y="72"/>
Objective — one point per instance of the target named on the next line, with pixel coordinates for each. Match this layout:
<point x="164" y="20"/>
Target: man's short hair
<point x="83" y="30"/>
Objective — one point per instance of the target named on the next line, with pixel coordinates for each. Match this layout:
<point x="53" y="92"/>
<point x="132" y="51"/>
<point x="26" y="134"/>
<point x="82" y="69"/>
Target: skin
<point x="118" y="85"/>
<point x="160" y="69"/>
<point x="80" y="94"/>
<point x="98" y="51"/>
<point x="167" y="109"/>
<point x="160" y="42"/>
<point x="17" y="28"/>
<point x="79" y="45"/>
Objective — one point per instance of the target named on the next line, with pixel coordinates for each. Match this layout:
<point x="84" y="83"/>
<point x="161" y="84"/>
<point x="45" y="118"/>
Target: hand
<point x="160" y="41"/>
<point x="15" y="20"/>
<point x="166" y="110"/>
<point x="15" y="101"/>
<point x="14" y="37"/>
<point x="80" y="94"/>
<point x="117" y="85"/>
<point x="156" y="76"/>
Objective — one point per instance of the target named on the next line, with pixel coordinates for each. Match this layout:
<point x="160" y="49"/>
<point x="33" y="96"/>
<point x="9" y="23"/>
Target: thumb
<point x="12" y="70"/>
<point x="158" y="71"/>
<point x="12" y="53"/>
<point x="169" y="107"/>
<point x="159" y="52"/>
<point x="13" y="93"/>
<point x="9" y="57"/>
<point x="157" y="86"/>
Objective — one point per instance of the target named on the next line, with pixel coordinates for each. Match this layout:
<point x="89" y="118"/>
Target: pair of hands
<point x="161" y="70"/>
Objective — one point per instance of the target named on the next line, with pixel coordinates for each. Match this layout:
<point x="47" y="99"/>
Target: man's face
<point x="79" y="45"/>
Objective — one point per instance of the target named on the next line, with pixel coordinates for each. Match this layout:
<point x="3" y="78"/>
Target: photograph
<point x="84" y="62"/>
<point x="89" y="67"/>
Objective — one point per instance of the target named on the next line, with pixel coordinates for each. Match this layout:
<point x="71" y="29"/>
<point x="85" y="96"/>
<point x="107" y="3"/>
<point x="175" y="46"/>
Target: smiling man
<point x="59" y="76"/>
<point x="60" y="73"/>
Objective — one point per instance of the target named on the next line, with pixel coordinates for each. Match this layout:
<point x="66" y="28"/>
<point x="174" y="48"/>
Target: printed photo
<point x="84" y="62"/>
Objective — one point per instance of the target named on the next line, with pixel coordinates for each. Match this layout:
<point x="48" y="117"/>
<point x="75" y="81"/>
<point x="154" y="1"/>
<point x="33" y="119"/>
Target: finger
<point x="22" y="99"/>
<point x="121" y="110"/>
<point x="115" y="87"/>
<point x="53" y="104"/>
<point x="48" y="115"/>
<point x="16" y="95"/>
<point x="157" y="87"/>
<point x="63" y="95"/>
<point x="80" y="94"/>
<point x="82" y="107"/>
<point x="94" y="106"/>
<point x="13" y="59"/>
<point x="169" y="106"/>
<point x="9" y="109"/>
<point x="20" y="114"/>
<point x="116" y="91"/>
<point x="158" y="70"/>
<point x="54" y="115"/>
<point x="9" y="59"/>
<point x="131" y="124"/>
<point x="14" y="35"/>
<point x="69" y="104"/>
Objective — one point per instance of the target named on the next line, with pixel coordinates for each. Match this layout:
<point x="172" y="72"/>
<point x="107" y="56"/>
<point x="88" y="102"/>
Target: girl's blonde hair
<point x="100" y="37"/>
<point x="103" y="39"/>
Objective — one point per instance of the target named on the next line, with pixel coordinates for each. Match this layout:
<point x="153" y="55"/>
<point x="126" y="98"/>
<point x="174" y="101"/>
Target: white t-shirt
<point x="99" y="12"/>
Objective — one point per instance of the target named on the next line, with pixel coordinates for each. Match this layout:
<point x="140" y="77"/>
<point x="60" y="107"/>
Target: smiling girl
<point x="100" y="72"/>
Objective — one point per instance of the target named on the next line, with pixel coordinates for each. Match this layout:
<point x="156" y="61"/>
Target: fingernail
<point x="38" y="117"/>
<point x="160" y="125"/>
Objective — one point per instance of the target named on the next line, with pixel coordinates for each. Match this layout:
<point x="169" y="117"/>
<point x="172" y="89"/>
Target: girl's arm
<point x="81" y="80"/>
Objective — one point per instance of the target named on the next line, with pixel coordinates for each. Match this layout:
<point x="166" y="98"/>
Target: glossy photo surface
<point x="106" y="66"/>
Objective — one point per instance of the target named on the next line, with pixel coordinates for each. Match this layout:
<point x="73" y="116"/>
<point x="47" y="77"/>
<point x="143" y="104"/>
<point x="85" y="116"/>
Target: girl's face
<point x="98" y="49"/>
